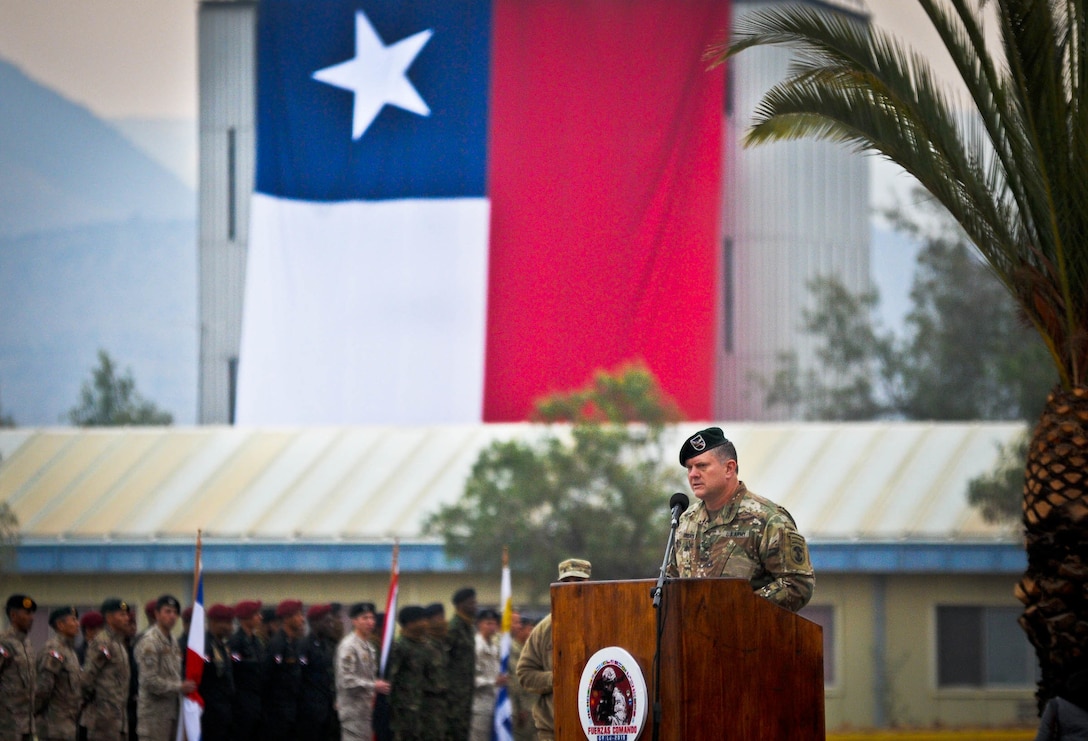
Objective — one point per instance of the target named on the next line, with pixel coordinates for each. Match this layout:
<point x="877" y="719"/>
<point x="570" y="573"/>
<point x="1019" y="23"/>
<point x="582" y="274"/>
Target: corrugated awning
<point x="841" y="482"/>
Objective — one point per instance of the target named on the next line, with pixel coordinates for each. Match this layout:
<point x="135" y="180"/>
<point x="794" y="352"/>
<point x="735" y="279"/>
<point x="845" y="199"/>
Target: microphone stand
<point x="656" y="593"/>
<point x="659" y="612"/>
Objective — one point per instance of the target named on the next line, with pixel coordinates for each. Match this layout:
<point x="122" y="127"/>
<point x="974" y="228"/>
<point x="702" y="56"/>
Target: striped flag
<point x="390" y="610"/>
<point x="501" y="189"/>
<point x="192" y="705"/>
<point x="503" y="729"/>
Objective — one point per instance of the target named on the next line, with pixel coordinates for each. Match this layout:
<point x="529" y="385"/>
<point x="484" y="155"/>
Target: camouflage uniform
<point x="534" y="672"/>
<point x="105" y="688"/>
<point x="436" y="689"/>
<point x="750" y="538"/>
<point x="356" y="672"/>
<point x="461" y="677"/>
<point x="159" y="659"/>
<point x="16" y="685"/>
<point x="59" y="694"/>
<point x="520" y="699"/>
<point x="408" y="667"/>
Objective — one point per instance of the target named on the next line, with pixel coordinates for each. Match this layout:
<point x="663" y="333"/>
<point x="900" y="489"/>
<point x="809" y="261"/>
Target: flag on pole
<point x="457" y="184"/>
<point x="192" y="705"/>
<point x="503" y="729"/>
<point x="390" y="609"/>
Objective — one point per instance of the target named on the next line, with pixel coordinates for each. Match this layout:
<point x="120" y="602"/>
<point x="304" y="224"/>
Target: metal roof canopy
<point x="884" y="497"/>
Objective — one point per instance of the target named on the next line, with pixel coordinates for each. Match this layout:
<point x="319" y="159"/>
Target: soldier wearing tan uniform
<point x="731" y="532"/>
<point x="106" y="676"/>
<point x="534" y="669"/>
<point x="357" y="681"/>
<point x="17" y="670"/>
<point x="59" y="694"/>
<point x="161" y="684"/>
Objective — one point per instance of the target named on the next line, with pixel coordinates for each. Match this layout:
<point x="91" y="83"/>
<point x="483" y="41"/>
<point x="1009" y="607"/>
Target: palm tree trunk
<point x="1054" y="589"/>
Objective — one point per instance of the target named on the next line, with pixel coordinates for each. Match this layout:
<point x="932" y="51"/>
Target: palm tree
<point x="1015" y="177"/>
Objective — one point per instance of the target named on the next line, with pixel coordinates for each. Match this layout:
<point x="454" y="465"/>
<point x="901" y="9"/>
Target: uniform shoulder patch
<point x="57" y="655"/>
<point x="797" y="552"/>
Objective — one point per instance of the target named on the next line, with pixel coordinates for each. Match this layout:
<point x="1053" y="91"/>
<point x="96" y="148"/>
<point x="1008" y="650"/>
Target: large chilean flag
<point x="463" y="205"/>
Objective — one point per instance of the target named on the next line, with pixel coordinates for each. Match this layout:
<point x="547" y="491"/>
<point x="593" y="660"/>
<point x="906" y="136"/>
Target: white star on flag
<point x="377" y="75"/>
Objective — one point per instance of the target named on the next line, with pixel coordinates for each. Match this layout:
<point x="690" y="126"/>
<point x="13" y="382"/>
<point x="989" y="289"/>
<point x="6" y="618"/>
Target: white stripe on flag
<point x="364" y="312"/>
<point x="503" y="729"/>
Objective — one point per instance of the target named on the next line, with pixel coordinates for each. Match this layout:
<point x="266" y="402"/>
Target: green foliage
<point x="1011" y="174"/>
<point x="850" y="354"/>
<point x="588" y="488"/>
<point x="110" y="399"/>
<point x="966" y="354"/>
<point x="9" y="536"/>
<point x="999" y="494"/>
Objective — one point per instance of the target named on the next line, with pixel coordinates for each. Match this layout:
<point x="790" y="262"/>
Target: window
<point x="982" y="647"/>
<point x="824" y="616"/>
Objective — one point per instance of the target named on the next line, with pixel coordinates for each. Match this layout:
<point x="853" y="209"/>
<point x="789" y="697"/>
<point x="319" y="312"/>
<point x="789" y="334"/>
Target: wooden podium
<point x="732" y="665"/>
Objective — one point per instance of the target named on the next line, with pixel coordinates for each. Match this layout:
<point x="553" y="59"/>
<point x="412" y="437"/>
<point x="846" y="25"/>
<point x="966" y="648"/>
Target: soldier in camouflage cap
<point x="732" y="532"/>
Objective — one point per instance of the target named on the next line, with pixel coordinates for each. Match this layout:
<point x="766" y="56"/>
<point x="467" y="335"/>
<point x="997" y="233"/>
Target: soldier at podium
<point x="732" y="532"/>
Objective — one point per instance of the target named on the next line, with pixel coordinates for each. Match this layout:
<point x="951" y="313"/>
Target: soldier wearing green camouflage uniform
<point x="106" y="677"/>
<point x="461" y="664"/>
<point x="17" y="670"/>
<point x="408" y="666"/>
<point x="59" y="694"/>
<point x="437" y="687"/>
<point x="732" y="532"/>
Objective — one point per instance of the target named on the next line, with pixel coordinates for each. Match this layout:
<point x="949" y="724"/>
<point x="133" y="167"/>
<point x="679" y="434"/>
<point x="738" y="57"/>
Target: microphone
<point x="677" y="504"/>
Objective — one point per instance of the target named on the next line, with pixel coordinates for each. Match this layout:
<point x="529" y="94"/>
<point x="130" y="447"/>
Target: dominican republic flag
<point x="192" y="705"/>
<point x="462" y="205"/>
<point x="503" y="727"/>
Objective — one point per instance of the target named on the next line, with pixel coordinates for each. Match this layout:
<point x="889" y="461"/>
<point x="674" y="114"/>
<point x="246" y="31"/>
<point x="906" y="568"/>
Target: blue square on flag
<point x="412" y="76"/>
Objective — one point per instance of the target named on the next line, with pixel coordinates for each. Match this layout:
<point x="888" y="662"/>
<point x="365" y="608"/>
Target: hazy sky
<point x="120" y="58"/>
<point x="137" y="58"/>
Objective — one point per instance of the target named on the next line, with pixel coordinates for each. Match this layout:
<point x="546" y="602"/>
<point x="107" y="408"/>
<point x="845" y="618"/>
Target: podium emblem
<point x="612" y="696"/>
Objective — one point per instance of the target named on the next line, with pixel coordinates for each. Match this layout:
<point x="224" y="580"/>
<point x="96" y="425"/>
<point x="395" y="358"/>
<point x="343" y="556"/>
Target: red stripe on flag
<point x="605" y="169"/>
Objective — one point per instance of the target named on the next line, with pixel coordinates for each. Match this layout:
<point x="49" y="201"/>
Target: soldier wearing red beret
<point x="246" y="653"/>
<point x="316" y="718"/>
<point x="217" y="681"/>
<point x="283" y="675"/>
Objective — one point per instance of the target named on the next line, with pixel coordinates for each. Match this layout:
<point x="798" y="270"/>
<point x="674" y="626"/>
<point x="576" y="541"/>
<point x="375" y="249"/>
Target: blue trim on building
<point x="311" y="557"/>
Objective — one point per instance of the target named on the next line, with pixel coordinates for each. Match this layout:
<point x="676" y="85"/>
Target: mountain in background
<point x="97" y="250"/>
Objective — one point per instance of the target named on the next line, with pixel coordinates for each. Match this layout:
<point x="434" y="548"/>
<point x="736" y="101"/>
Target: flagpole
<point x="390" y="608"/>
<point x="196" y="565"/>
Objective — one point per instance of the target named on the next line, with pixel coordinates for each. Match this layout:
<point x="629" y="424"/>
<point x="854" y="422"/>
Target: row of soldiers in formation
<point x="265" y="675"/>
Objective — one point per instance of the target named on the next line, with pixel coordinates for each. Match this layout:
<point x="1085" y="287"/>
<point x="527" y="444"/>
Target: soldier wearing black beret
<point x="732" y="532"/>
<point x="461" y="662"/>
<point x="17" y="669"/>
<point x="58" y="696"/>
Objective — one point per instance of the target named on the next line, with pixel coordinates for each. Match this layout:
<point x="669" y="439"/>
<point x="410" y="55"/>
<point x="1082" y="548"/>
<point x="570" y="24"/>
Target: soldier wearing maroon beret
<point x="283" y="674"/>
<point x="217" y="681"/>
<point x="246" y="654"/>
<point x="316" y="717"/>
